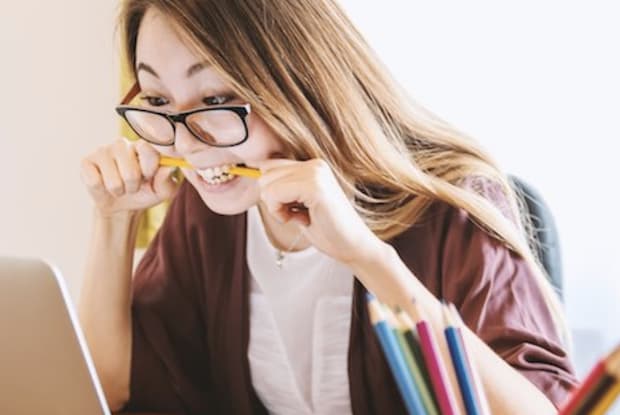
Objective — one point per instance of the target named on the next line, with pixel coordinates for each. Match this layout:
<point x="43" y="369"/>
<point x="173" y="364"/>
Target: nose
<point x="185" y="143"/>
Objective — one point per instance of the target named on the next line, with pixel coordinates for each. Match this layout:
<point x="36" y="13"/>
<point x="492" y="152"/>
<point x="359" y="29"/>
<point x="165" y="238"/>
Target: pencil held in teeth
<point x="220" y="175"/>
<point x="235" y="170"/>
<point x="245" y="171"/>
<point x="172" y="162"/>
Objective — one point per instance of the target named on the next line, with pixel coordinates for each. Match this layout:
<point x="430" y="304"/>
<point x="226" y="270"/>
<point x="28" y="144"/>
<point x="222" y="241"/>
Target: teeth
<point x="216" y="175"/>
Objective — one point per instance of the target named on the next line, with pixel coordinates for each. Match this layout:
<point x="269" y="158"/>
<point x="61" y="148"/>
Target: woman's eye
<point x="217" y="100"/>
<point x="155" y="101"/>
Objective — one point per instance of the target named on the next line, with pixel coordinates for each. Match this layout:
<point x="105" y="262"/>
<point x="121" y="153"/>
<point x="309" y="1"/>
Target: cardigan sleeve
<point x="169" y="370"/>
<point x="500" y="299"/>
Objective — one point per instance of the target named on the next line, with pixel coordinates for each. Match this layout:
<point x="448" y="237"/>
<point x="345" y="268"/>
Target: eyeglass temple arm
<point x="135" y="89"/>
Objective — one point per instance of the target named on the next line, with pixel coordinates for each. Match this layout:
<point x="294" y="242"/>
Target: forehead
<point x="160" y="46"/>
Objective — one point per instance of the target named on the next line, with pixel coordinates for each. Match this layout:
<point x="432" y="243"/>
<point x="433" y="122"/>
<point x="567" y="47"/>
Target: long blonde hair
<point x="311" y="76"/>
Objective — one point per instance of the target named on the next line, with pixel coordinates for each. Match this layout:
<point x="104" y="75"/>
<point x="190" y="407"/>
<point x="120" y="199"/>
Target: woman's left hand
<point x="331" y="223"/>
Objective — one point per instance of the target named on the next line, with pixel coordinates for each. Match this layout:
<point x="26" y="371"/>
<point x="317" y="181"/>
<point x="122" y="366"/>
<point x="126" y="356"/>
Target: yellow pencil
<point x="236" y="170"/>
<point x="607" y="400"/>
<point x="245" y="171"/>
<point x="172" y="162"/>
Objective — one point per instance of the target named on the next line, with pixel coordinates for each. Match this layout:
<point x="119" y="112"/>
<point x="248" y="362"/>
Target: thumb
<point x="166" y="182"/>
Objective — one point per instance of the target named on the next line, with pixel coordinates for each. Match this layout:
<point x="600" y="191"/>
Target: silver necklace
<point x="280" y="255"/>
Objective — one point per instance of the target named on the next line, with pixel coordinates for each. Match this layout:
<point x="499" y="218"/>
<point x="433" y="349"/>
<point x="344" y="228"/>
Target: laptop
<point x="45" y="366"/>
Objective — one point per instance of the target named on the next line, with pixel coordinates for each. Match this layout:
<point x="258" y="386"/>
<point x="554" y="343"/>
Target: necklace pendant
<point x="279" y="259"/>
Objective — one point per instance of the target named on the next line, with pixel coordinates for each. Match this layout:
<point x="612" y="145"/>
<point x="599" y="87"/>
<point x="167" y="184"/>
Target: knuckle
<point x="320" y="164"/>
<point x="107" y="153"/>
<point x="95" y="186"/>
<point x="100" y="153"/>
<point x="132" y="184"/>
<point x="90" y="181"/>
<point x="145" y="148"/>
<point x="116" y="187"/>
<point x="120" y="142"/>
<point x="133" y="177"/>
<point x="141" y="145"/>
<point x="85" y="164"/>
<point x="320" y="169"/>
<point x="89" y="175"/>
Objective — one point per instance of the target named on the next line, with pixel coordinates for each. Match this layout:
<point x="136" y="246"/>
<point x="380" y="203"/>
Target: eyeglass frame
<point x="241" y="110"/>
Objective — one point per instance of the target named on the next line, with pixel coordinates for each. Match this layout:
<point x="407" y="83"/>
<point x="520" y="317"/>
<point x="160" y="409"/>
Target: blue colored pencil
<point x="482" y="397"/>
<point x="397" y="364"/>
<point x="459" y="361"/>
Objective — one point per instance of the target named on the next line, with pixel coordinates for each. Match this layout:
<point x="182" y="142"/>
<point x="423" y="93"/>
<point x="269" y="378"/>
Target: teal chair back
<point x="544" y="231"/>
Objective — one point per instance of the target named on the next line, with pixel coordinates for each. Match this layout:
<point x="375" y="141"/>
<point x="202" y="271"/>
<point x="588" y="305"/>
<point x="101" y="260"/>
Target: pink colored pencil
<point x="435" y="365"/>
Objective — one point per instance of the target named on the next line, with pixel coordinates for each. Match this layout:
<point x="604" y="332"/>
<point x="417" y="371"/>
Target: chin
<point x="231" y="199"/>
<point x="228" y="209"/>
<point x="233" y="203"/>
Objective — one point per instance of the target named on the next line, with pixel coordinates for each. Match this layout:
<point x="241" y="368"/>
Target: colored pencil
<point x="395" y="360"/>
<point x="595" y="386"/>
<point x="236" y="170"/>
<point x="415" y="363"/>
<point x="482" y="397"/>
<point x="414" y="344"/>
<point x="605" y="403"/>
<point x="245" y="172"/>
<point x="597" y="394"/>
<point x="435" y="364"/>
<point x="459" y="362"/>
<point x="172" y="162"/>
<point x="579" y="395"/>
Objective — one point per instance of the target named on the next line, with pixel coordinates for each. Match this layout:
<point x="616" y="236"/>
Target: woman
<point x="247" y="303"/>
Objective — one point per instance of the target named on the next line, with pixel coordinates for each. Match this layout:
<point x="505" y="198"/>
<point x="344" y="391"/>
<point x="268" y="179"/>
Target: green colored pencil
<point x="412" y="364"/>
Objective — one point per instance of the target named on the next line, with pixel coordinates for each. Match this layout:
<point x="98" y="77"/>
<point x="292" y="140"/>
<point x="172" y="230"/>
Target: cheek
<point x="262" y="142"/>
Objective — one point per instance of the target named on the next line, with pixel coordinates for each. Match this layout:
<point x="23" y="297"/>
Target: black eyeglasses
<point x="217" y="126"/>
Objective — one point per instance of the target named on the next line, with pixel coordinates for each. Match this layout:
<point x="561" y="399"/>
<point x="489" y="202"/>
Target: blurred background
<point x="536" y="82"/>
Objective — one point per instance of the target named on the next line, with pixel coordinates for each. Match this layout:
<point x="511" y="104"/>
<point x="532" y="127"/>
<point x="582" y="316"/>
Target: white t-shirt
<point x="300" y="317"/>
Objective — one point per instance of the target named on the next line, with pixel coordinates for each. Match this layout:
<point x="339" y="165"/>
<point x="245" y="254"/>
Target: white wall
<point x="537" y="82"/>
<point x="57" y="92"/>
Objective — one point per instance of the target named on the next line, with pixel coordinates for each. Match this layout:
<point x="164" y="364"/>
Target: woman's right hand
<point x="126" y="177"/>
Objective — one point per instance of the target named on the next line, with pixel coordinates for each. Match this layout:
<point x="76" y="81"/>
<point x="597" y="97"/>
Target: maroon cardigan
<point x="191" y="312"/>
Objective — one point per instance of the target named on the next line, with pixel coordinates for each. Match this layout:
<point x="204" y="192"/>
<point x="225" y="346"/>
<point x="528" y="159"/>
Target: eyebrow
<point x="191" y="71"/>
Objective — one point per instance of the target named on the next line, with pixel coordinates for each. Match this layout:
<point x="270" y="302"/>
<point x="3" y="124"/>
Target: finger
<point x="164" y="184"/>
<point x="286" y="199"/>
<point x="311" y="170"/>
<point x="148" y="158"/>
<point x="281" y="172"/>
<point x="270" y="164"/>
<point x="109" y="172"/>
<point x="289" y="189"/>
<point x="91" y="177"/>
<point x="128" y="166"/>
<point x="275" y="209"/>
